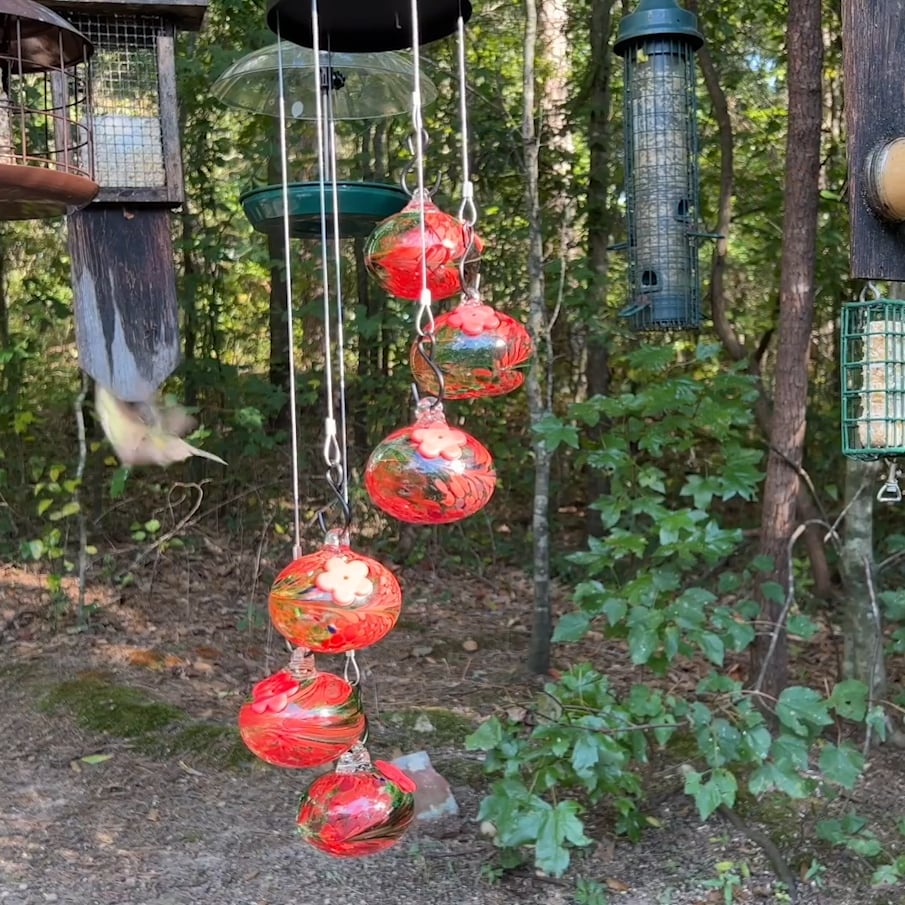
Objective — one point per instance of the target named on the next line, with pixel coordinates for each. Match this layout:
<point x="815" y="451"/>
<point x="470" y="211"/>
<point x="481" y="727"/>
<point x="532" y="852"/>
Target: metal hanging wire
<point x="334" y="447"/>
<point x="469" y="277"/>
<point x="424" y="316"/>
<point x="290" y="321"/>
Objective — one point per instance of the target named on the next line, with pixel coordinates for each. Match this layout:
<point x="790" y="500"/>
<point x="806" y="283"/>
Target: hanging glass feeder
<point x="873" y="382"/>
<point x="397" y="254"/>
<point x="301" y="718"/>
<point x="335" y="600"/>
<point x="359" y="808"/>
<point x="45" y="137"/>
<point x="658" y="42"/>
<point x="429" y="473"/>
<point x="353" y="87"/>
<point x="477" y="350"/>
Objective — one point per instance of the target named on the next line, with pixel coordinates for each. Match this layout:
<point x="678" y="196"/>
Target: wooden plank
<point x="187" y="14"/>
<point x="169" y="118"/>
<point x="873" y="44"/>
<point x="161" y="196"/>
<point x="124" y="285"/>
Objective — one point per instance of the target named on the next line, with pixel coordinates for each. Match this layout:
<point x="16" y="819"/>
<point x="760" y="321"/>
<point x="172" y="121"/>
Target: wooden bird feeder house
<point x="123" y="270"/>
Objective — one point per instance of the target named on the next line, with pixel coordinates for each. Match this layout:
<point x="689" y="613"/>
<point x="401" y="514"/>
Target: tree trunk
<point x="280" y="360"/>
<point x="599" y="222"/>
<point x="796" y="314"/>
<point x="862" y="629"/>
<point x="539" y="652"/>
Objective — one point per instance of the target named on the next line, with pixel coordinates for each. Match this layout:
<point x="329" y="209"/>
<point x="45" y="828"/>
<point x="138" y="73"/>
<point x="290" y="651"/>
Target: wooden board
<point x="873" y="41"/>
<point x="187" y="14"/>
<point x="124" y="285"/>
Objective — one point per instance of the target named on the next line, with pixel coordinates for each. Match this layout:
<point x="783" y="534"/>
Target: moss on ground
<point x="158" y="729"/>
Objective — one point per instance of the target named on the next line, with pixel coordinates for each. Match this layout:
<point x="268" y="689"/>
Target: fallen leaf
<point x="614" y="885"/>
<point x="95" y="758"/>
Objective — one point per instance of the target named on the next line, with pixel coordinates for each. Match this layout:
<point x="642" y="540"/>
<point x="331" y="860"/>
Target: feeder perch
<point x="873" y="379"/>
<point x="658" y="42"/>
<point x="358" y="86"/>
<point x="45" y="138"/>
<point x="123" y="270"/>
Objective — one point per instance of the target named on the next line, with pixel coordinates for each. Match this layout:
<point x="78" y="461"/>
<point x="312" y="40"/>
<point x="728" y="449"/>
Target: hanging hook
<point x="869" y="288"/>
<point x="351" y="668"/>
<point x="890" y="492"/>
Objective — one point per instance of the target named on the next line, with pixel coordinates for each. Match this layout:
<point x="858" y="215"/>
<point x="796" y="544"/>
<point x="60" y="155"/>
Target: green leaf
<point x="720" y="789"/>
<point x="555" y="432"/>
<point x="712" y="647"/>
<point x="586" y="752"/>
<point x="802" y="709"/>
<point x="70" y="508"/>
<point x="557" y="826"/>
<point x="35" y="548"/>
<point x="487" y="736"/>
<point x="571" y="627"/>
<point x="842" y="764"/>
<point x="849" y="699"/>
<point x="152" y="526"/>
<point x="802" y="626"/>
<point x="118" y="482"/>
<point x="44" y="505"/>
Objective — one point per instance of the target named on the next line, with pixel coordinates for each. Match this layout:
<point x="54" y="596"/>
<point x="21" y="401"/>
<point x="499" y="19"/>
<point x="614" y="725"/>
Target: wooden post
<point x="873" y="42"/>
<point x="126" y="312"/>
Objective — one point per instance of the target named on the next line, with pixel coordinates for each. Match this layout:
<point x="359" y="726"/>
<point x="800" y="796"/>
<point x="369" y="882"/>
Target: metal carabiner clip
<point x="890" y="492"/>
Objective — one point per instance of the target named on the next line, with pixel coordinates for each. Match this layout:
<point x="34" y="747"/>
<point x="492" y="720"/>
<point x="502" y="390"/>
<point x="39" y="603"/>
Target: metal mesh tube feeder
<point x="873" y="379"/>
<point x="658" y="43"/>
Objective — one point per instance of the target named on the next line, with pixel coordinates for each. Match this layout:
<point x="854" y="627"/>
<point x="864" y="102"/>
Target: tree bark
<point x="796" y="313"/>
<point x="599" y="224"/>
<point x="539" y="651"/>
<point x="279" y="361"/>
<point x="862" y="628"/>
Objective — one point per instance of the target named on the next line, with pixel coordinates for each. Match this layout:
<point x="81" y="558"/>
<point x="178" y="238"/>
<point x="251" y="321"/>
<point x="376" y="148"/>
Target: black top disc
<point x="360" y="26"/>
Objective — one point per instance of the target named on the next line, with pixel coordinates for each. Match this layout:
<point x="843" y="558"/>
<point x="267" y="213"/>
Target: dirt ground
<point x="93" y="817"/>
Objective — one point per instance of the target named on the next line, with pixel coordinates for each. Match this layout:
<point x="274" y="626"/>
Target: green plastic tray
<point x="362" y="205"/>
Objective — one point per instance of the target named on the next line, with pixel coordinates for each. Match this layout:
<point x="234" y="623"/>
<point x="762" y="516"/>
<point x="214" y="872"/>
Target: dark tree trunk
<point x="599" y="222"/>
<point x="279" y="362"/>
<point x="789" y="418"/>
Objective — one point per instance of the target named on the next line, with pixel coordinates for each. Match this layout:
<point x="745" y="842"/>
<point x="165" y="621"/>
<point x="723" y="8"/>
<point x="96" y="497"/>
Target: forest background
<point x="632" y="467"/>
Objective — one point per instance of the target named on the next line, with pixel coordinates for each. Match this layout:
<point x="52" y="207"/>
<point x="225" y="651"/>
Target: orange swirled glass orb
<point x="301" y="723"/>
<point x="476" y="349"/>
<point x="334" y="600"/>
<point x="357" y="809"/>
<point x="393" y="253"/>
<point x="429" y="473"/>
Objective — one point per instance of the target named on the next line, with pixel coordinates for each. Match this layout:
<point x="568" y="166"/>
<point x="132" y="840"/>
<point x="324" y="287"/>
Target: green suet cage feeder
<point x="658" y="43"/>
<point x="873" y="379"/>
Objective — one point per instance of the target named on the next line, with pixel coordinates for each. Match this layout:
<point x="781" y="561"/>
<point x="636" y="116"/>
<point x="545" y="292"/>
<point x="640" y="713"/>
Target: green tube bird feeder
<point x="873" y="379"/>
<point x="658" y="43"/>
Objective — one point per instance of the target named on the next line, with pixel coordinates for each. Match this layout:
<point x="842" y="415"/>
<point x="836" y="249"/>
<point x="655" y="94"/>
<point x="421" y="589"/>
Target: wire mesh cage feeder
<point x="358" y="86"/>
<point x="873" y="379"/>
<point x="658" y="43"/>
<point x="45" y="135"/>
<point x="137" y="155"/>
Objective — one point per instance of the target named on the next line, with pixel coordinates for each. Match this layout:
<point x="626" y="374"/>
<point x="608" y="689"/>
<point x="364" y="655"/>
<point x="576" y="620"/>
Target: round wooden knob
<point x="885" y="180"/>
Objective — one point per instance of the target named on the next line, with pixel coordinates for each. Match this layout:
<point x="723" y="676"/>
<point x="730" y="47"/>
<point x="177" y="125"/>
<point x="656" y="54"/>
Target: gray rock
<point x="433" y="797"/>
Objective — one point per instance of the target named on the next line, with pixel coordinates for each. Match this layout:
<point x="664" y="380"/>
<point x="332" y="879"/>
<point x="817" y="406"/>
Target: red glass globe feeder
<point x="301" y="718"/>
<point x="429" y="473"/>
<point x="334" y="600"/>
<point x="478" y="351"/>
<point x="394" y="251"/>
<point x="359" y="808"/>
